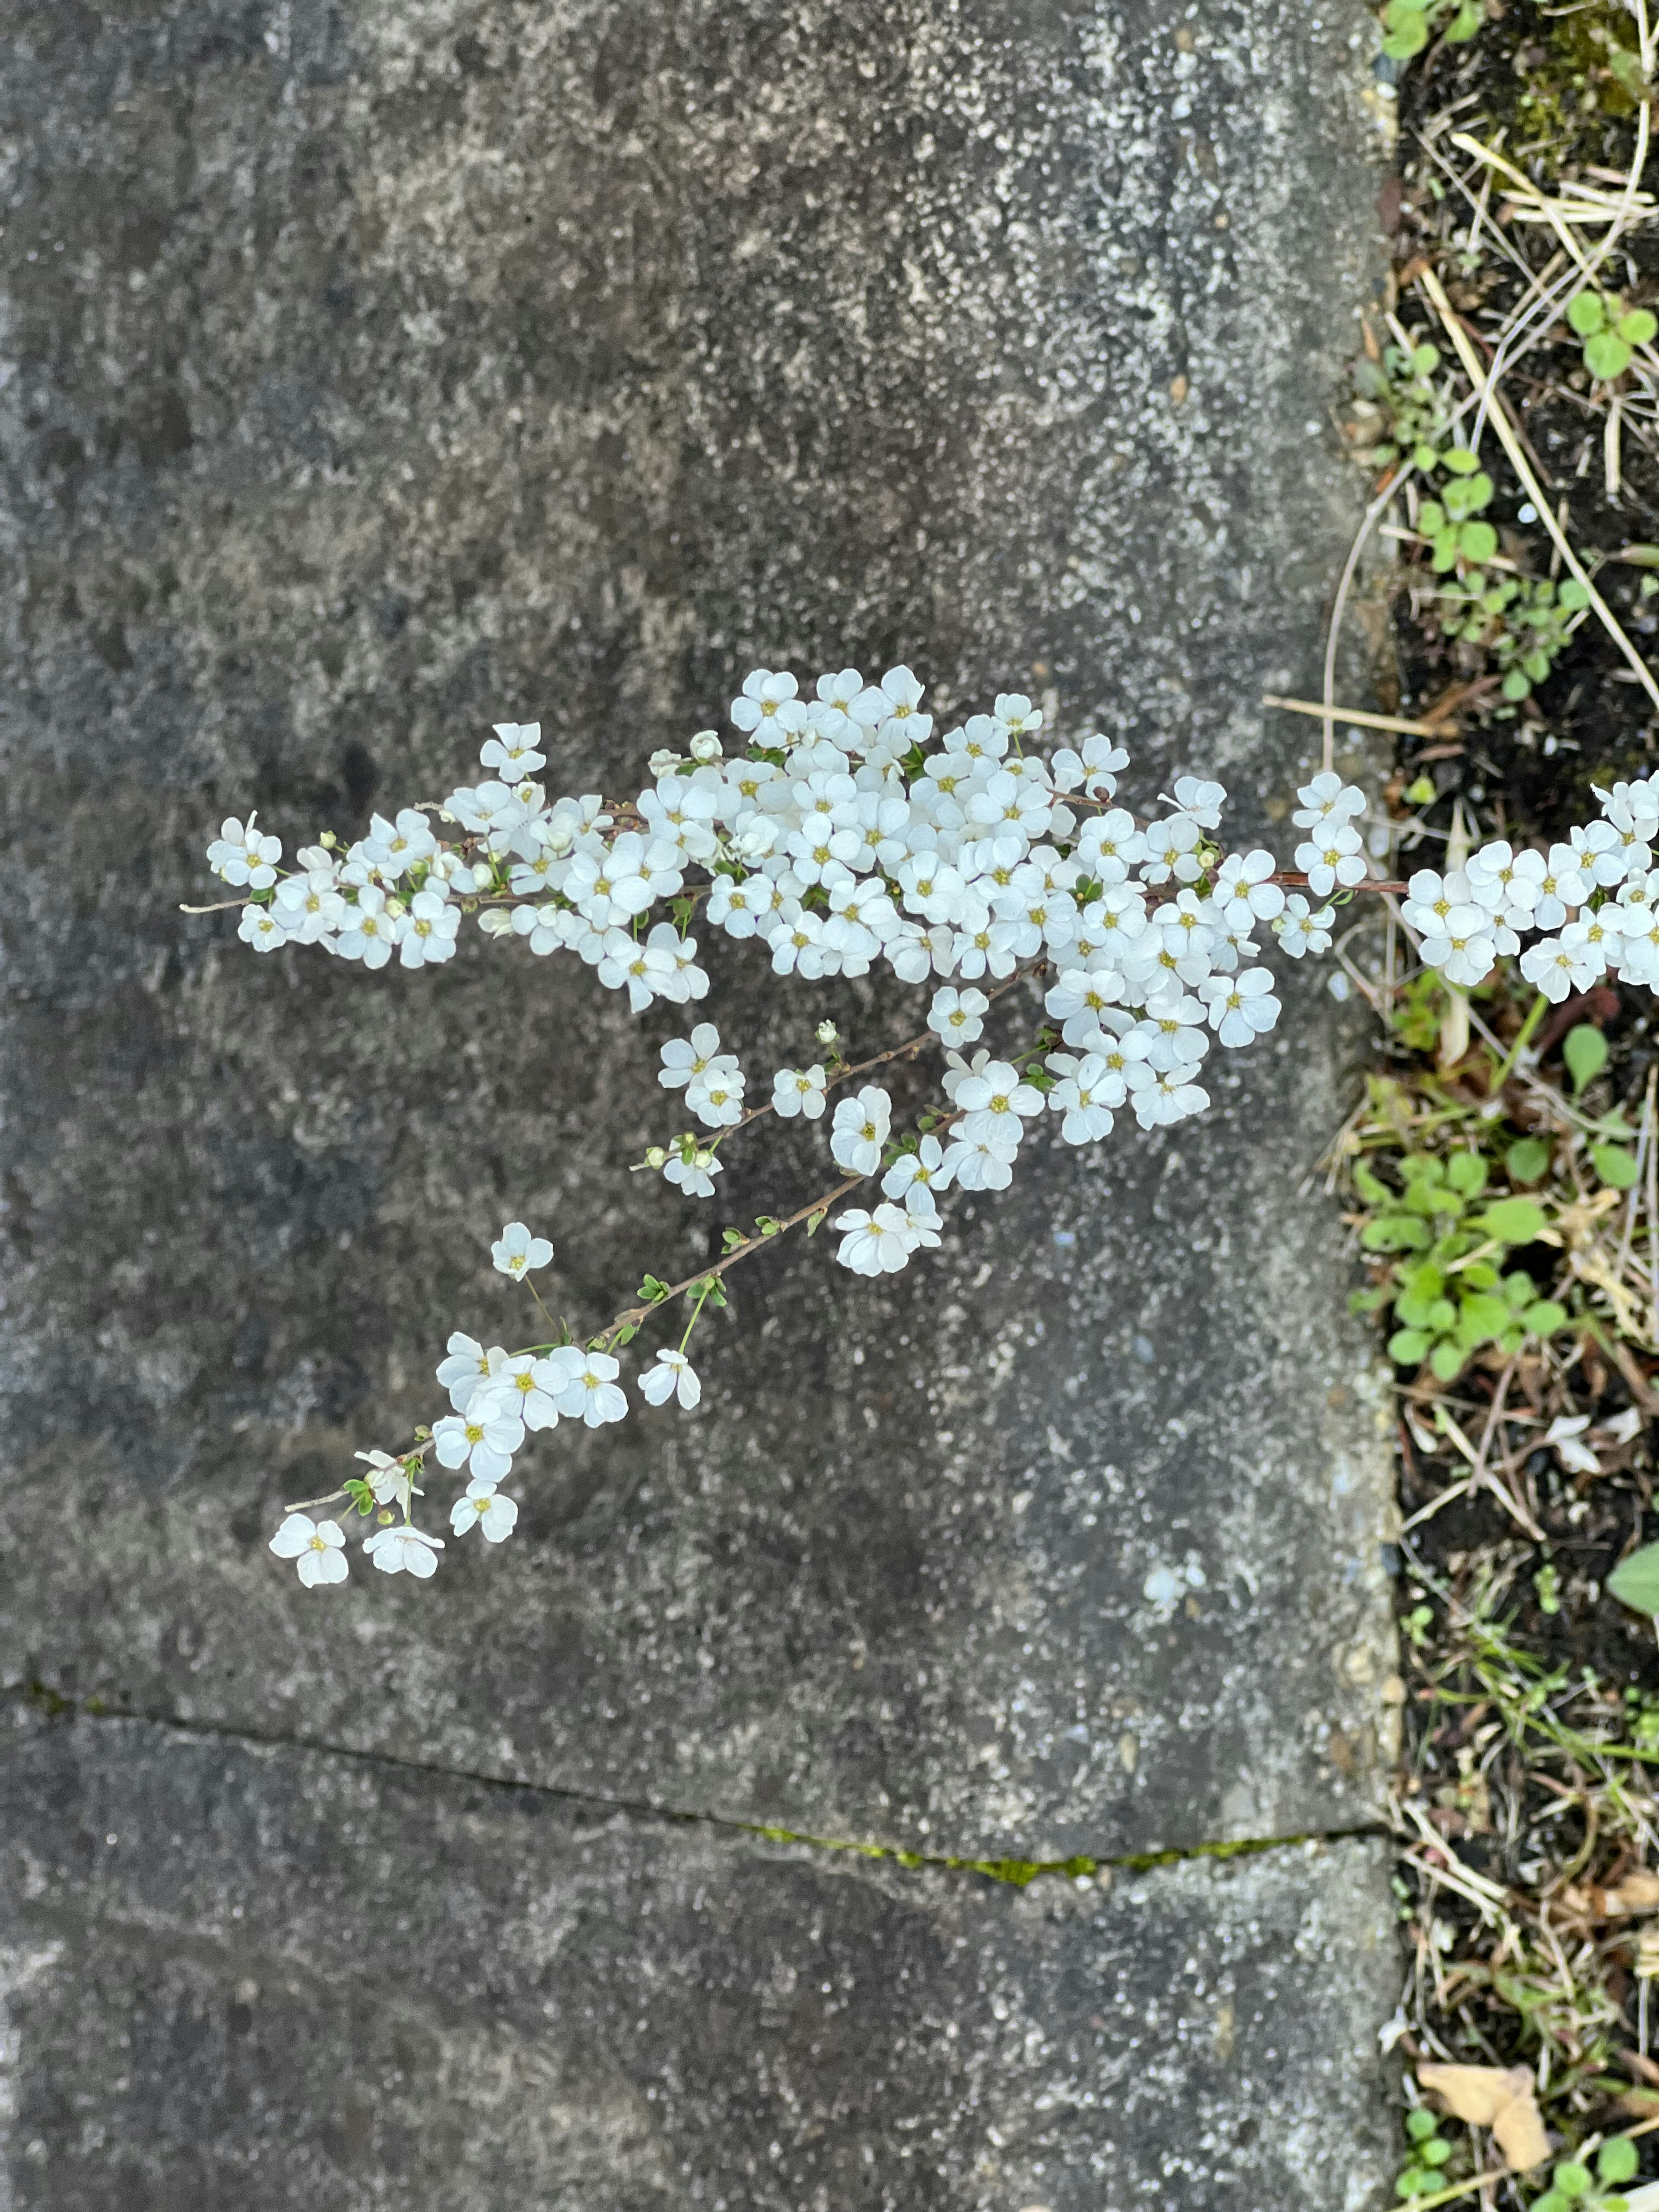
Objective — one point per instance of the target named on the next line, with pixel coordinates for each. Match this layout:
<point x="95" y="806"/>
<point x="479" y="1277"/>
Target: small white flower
<point x="1300" y="930"/>
<point x="1241" y="1008"/>
<point x="523" y="1387"/>
<point x="516" y="1252"/>
<point x="923" y="1170"/>
<point x="978" y="1163"/>
<point x="240" y="856"/>
<point x="1082" y="1097"/>
<point x="1202" y="801"/>
<point x="1242" y="892"/>
<point x="465" y="1370"/>
<point x="673" y="1377"/>
<point x="405" y="1551"/>
<point x="261" y="928"/>
<point x="368" y="933"/>
<point x="1332" y="856"/>
<point x="694" y="1176"/>
<point x="1328" y="799"/>
<point x="584" y="1385"/>
<point x="513" y="749"/>
<point x="715" y="1096"/>
<point x="429" y="934"/>
<point x="860" y="1130"/>
<point x="388" y="1478"/>
<point x="485" y="1508"/>
<point x="683" y="1058"/>
<point x="483" y="1440"/>
<point x="799" y="1091"/>
<point x="957" y="1017"/>
<point x="317" y="1548"/>
<point x="996" y="1104"/>
<point x="877" y="1244"/>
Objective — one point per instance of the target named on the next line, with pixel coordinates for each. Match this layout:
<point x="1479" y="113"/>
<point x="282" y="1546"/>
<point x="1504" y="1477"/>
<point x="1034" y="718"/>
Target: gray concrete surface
<point x="374" y="373"/>
<point x="234" y="1982"/>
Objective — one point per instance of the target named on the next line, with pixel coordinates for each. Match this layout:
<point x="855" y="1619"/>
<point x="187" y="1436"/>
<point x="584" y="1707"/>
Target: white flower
<point x="715" y="1095"/>
<point x="483" y="1440"/>
<point x="1328" y="799"/>
<point x="1203" y="801"/>
<point x="405" y="1551"/>
<point x="706" y="746"/>
<point x="370" y="933"/>
<point x="799" y="1091"/>
<point x="645" y="972"/>
<point x="485" y="1508"/>
<point x="977" y="1163"/>
<point x="860" y="1130"/>
<point x="881" y="1243"/>
<point x="240" y="856"/>
<point x="683" y="1058"/>
<point x="694" y="1176"/>
<point x="1332" y="856"/>
<point x="391" y="847"/>
<point x="673" y="1377"/>
<point x="584" y="1385"/>
<point x="957" y="1017"/>
<point x="513" y="749"/>
<point x="429" y="932"/>
<point x="317" y="1548"/>
<point x="515" y="1252"/>
<point x="925" y="1169"/>
<point x="261" y="928"/>
<point x="996" y="1104"/>
<point x="1558" y="969"/>
<point x="1081" y="1096"/>
<point x="1241" y="891"/>
<point x="388" y="1478"/>
<point x="1241" y="1008"/>
<point x="524" y="1388"/>
<point x="768" y="707"/>
<point x="1300" y="932"/>
<point x="466" y="1370"/>
<point x="1562" y="885"/>
<point x="891" y="709"/>
<point x="307" y="907"/>
<point x="1464" y="959"/>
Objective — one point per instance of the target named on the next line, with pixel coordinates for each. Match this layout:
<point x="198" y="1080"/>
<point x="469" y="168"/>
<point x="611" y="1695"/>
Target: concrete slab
<point x="356" y="403"/>
<point x="255" y="1975"/>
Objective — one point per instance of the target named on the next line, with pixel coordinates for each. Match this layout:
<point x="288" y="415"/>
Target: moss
<point x="1020" y="1872"/>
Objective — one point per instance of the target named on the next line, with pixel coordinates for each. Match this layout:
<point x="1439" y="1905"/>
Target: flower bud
<point x="706" y="746"/>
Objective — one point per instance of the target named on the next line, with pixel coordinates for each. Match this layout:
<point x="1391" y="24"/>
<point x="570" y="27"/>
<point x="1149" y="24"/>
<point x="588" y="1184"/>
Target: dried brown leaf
<point x="1496" y="2097"/>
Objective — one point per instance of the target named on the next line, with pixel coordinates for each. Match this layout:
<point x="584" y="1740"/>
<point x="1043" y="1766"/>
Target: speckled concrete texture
<point x="370" y="372"/>
<point x="232" y="1979"/>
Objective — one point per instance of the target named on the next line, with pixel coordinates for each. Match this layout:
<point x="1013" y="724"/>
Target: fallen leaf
<point x="1623" y="1427"/>
<point x="1496" y="2097"/>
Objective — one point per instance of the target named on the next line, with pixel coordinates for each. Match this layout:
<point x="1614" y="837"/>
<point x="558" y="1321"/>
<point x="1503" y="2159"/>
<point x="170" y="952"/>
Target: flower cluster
<point x="841" y="834"/>
<point x="1596" y="898"/>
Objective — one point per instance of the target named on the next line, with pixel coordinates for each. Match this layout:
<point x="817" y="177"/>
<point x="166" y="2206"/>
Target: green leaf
<point x="1467" y="1173"/>
<point x="1408" y="1347"/>
<point x="1606" y="355"/>
<point x="1519" y="1289"/>
<point x="1613" y="1164"/>
<point x="1466" y="23"/>
<point x="1572" y="2178"/>
<point x="1572" y="595"/>
<point x="651" y="1292"/>
<point x="1425" y="359"/>
<point x="1447" y="1362"/>
<point x="1461" y="461"/>
<point x="1478" y="540"/>
<point x="1372" y="1188"/>
<point x="1444" y="553"/>
<point x="1545" y="1318"/>
<point x="1526" y="1158"/>
<point x="1482" y="1317"/>
<point x="1585" y="1052"/>
<point x="1411" y="38"/>
<point x="1480" y="1277"/>
<point x="1635" y="1583"/>
<point x="1586" y="314"/>
<point x="1421" y="2123"/>
<point x="1625" y="67"/>
<point x="1616" y="2159"/>
<point x="1637" y="327"/>
<point x="1395" y="1232"/>
<point x="1517" y="684"/>
<point x="1431" y="519"/>
<point x="1516" y="1220"/>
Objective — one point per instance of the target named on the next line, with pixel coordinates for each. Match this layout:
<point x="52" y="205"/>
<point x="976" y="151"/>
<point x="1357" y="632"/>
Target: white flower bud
<point x="706" y="746"/>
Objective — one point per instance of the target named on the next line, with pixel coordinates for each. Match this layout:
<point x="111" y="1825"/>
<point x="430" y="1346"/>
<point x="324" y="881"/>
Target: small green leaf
<point x="1606" y="355"/>
<point x="1372" y="1188"/>
<point x="1635" y="1583"/>
<point x="815" y="1221"/>
<point x="1411" y="38"/>
<point x="1425" y="359"/>
<point x="1395" y="1232"/>
<point x="1516" y="1220"/>
<point x="1573" y="2179"/>
<point x="1408" y="1347"/>
<point x="1517" y="684"/>
<point x="1637" y="327"/>
<point x="1527" y="1159"/>
<point x="1479" y="1277"/>
<point x="1626" y="70"/>
<point x="1544" y="1318"/>
<point x="1447" y="1362"/>
<point x="1616" y="2159"/>
<point x="1585" y="1052"/>
<point x="1478" y="541"/>
<point x="651" y="1292"/>
<point x="1586" y="314"/>
<point x="1467" y="1173"/>
<point x="1461" y="461"/>
<point x="1420" y="2123"/>
<point x="1482" y="1316"/>
<point x="1613" y="1164"/>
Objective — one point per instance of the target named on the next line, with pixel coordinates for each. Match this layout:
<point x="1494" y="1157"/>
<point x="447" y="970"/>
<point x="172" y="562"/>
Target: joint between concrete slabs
<point x="55" y="1704"/>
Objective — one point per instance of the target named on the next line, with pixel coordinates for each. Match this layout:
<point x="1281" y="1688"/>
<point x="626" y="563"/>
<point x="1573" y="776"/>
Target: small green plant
<point x="1423" y="2172"/>
<point x="1410" y="24"/>
<point x="1450" y="1291"/>
<point x="1448" y="522"/>
<point x="1611" y="332"/>
<point x="1574" y="2184"/>
<point x="1401" y="389"/>
<point x="1522" y="621"/>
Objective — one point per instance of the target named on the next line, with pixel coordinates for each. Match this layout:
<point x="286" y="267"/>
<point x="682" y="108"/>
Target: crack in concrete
<point x="57" y="1704"/>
